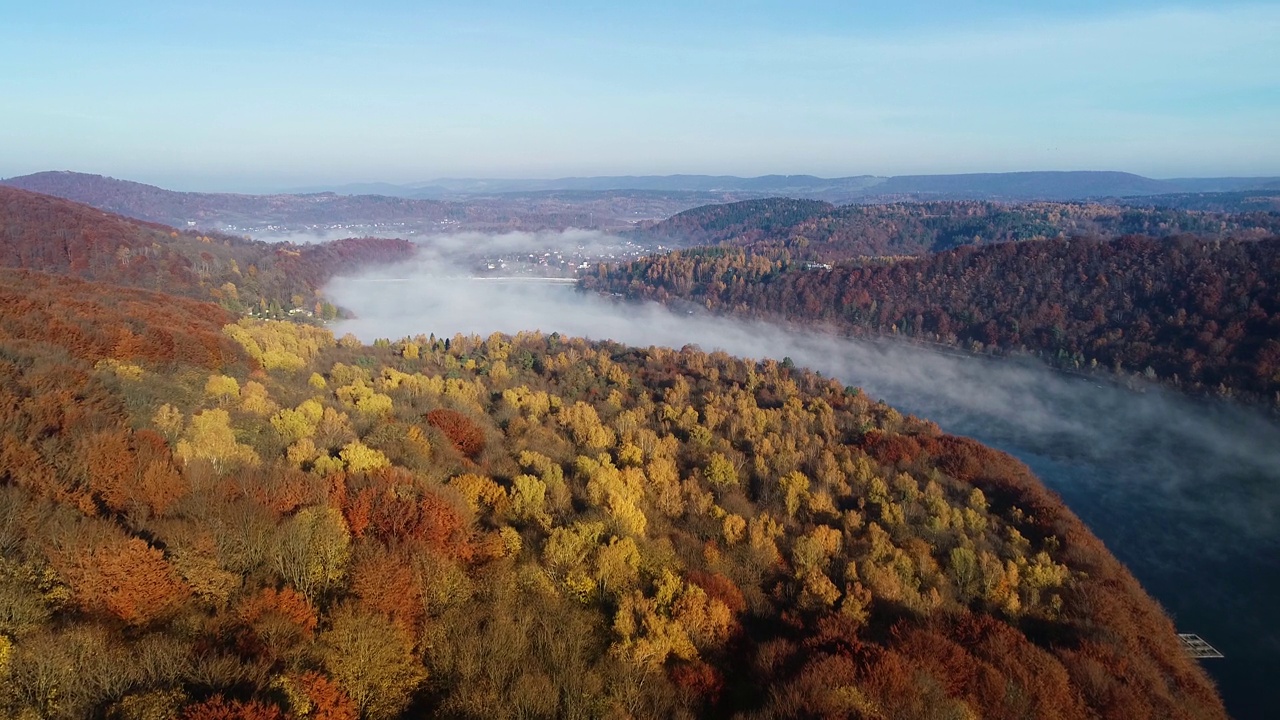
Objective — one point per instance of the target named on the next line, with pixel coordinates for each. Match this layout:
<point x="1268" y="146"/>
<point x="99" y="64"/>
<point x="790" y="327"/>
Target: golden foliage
<point x="370" y="659"/>
<point x="255" y="400"/>
<point x="122" y="370"/>
<point x="169" y="421"/>
<point x="481" y="493"/>
<point x="312" y="550"/>
<point x="280" y="345"/>
<point x="222" y="387"/>
<point x="210" y="437"/>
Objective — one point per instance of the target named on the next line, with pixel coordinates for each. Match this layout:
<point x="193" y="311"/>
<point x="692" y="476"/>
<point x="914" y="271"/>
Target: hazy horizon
<point x="252" y="187"/>
<point x="252" y="96"/>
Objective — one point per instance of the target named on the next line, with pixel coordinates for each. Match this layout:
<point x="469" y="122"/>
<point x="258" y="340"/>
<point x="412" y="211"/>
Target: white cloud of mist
<point x="309" y="237"/>
<point x="456" y="248"/>
<point x="1153" y="449"/>
<point x="440" y="248"/>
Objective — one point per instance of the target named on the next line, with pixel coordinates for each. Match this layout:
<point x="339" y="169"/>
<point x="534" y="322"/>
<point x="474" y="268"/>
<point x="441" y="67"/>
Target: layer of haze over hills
<point x="330" y="215"/>
<point x="605" y="203"/>
<point x="972" y="186"/>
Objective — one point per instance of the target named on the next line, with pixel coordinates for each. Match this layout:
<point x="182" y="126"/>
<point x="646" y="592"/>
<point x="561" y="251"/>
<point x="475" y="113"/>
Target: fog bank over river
<point x="1184" y="491"/>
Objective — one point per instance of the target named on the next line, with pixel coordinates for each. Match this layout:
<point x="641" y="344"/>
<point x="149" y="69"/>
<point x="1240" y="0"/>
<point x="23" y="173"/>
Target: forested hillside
<point x="818" y="231"/>
<point x="44" y="233"/>
<point x="1200" y="314"/>
<point x="1242" y="201"/>
<point x="257" y="521"/>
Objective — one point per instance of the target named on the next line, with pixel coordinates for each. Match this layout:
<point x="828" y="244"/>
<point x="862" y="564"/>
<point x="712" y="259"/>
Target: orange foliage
<point x="699" y="680"/>
<point x="159" y="484"/>
<point x="890" y="448"/>
<point x="94" y="321"/>
<point x="721" y="588"/>
<point x="430" y="520"/>
<point x="328" y="701"/>
<point x="466" y="436"/>
<point x="357" y="512"/>
<point x="124" y="467"/>
<point x="282" y="490"/>
<point x="1039" y="683"/>
<point x="388" y="505"/>
<point x="385" y="583"/>
<point x="128" y="579"/>
<point x="286" y="604"/>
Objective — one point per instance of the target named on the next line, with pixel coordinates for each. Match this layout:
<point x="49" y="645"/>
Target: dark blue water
<point x="1213" y="582"/>
<point x="1183" y="492"/>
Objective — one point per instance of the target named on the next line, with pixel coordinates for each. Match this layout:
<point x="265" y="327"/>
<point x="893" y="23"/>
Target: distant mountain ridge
<point x="608" y="203"/>
<point x="367" y="212"/>
<point x="1040" y="185"/>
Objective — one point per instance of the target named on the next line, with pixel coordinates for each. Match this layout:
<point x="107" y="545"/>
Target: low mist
<point x="436" y="246"/>
<point x="1174" y="446"/>
<point x="541" y="253"/>
<point x="310" y="236"/>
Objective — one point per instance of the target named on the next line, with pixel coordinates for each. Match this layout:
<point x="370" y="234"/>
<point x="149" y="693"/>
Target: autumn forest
<point x="213" y="508"/>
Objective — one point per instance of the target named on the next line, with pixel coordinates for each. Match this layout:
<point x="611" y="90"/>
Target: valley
<point x="419" y="369"/>
<point x="632" y="361"/>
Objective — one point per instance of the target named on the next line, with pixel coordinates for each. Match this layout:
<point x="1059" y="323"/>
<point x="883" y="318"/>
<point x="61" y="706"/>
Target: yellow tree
<point x="359" y="457"/>
<point x="585" y="427"/>
<point x="720" y="471"/>
<point x="255" y="400"/>
<point x="529" y="501"/>
<point x="372" y="661"/>
<point x="210" y="437"/>
<point x="222" y="388"/>
<point x="169" y="421"/>
<point x="293" y="425"/>
<point x="312" y="550"/>
<point x="617" y="566"/>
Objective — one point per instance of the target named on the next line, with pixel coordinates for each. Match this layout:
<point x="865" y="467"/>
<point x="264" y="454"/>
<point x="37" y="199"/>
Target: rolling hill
<point x="820" y="231"/>
<point x="597" y="202"/>
<point x="150" y="203"/>
<point x="50" y="234"/>
<point x="324" y="214"/>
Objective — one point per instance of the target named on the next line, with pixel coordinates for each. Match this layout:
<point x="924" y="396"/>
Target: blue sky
<point x="255" y="95"/>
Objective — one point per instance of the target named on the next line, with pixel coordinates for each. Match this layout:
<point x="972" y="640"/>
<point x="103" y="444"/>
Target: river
<point x="1185" y="492"/>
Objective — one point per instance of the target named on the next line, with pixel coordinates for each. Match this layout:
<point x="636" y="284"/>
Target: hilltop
<point x="273" y="523"/>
